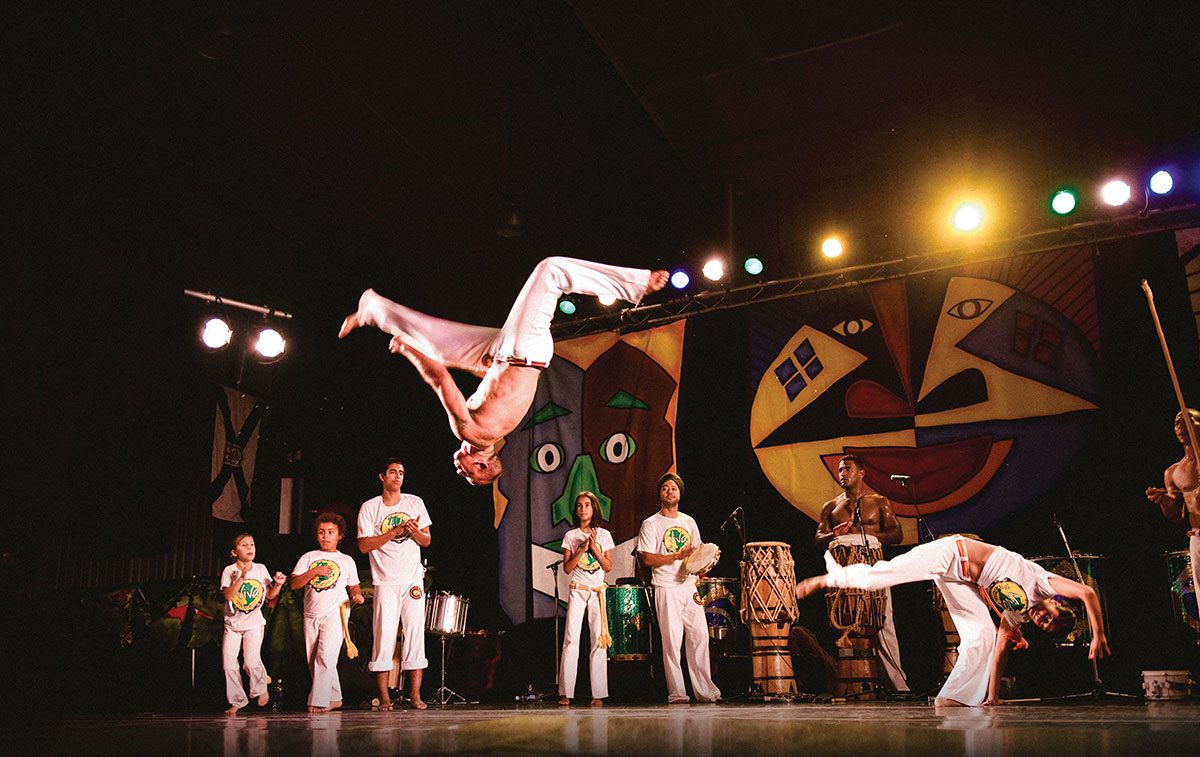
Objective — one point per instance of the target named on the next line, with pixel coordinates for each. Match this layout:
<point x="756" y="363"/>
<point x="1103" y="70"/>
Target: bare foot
<point x="809" y="585"/>
<point x="417" y="703"/>
<point x="317" y="709"/>
<point x="385" y="705"/>
<point x="597" y="702"/>
<point x="263" y="698"/>
<point x="944" y="702"/>
<point x="232" y="711"/>
<point x="658" y="280"/>
<point x="564" y="701"/>
<point x="335" y="705"/>
<point x="348" y="325"/>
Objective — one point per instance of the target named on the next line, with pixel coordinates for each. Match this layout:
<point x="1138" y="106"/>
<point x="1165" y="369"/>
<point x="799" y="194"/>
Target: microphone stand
<point x="1097" y="684"/>
<point x="907" y="484"/>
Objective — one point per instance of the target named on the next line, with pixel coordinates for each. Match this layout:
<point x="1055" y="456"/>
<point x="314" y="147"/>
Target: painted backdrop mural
<point x="979" y="383"/>
<point x="603" y="421"/>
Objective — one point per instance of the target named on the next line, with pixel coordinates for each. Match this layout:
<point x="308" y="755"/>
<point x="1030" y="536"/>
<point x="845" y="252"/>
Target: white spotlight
<point x="832" y="248"/>
<point x="714" y="270"/>
<point x="968" y="217"/>
<point x="215" y="333"/>
<point x="1115" y="192"/>
<point x="1161" y="182"/>
<point x="270" y="344"/>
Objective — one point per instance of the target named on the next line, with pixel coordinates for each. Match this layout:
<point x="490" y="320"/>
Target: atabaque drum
<point x="720" y="599"/>
<point x="1182" y="584"/>
<point x="1092" y="568"/>
<point x="769" y="609"/>
<point x="856" y="612"/>
<point x="628" y="623"/>
<point x="446" y="614"/>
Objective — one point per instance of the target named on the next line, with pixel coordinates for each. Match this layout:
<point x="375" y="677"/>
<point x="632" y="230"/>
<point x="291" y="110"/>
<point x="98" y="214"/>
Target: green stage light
<point x="566" y="307"/>
<point x="753" y="266"/>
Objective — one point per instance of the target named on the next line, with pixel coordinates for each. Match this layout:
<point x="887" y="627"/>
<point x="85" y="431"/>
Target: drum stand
<point x="445" y="694"/>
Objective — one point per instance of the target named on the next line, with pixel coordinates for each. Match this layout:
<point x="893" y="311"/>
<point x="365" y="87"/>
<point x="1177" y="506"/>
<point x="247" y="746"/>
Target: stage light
<point x="566" y="307"/>
<point x="1161" y="182"/>
<point x="680" y="279"/>
<point x="753" y="266"/>
<point x="607" y="299"/>
<point x="270" y="344"/>
<point x="968" y="217"/>
<point x="714" y="269"/>
<point x="831" y="248"/>
<point x="215" y="333"/>
<point x="1063" y="202"/>
<point x="1115" y="192"/>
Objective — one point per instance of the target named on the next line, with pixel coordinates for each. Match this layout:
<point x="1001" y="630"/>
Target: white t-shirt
<point x="244" y="611"/>
<point x="661" y="535"/>
<point x="399" y="561"/>
<point x="324" y="593"/>
<point x="1014" y="584"/>
<point x="587" y="571"/>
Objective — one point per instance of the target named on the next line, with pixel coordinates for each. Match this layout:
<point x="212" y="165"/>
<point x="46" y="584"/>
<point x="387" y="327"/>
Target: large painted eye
<point x="970" y="308"/>
<point x="546" y="458"/>
<point x="617" y="448"/>
<point x="852" y="326"/>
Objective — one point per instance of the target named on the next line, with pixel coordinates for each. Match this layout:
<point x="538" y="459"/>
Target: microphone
<point x="554" y="565"/>
<point x="900" y="477"/>
<point x="731" y="519"/>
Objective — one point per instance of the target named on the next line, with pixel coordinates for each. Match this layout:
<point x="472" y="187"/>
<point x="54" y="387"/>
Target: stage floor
<point x="1079" y="728"/>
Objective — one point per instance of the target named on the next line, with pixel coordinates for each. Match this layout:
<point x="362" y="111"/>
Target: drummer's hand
<point x="1099" y="648"/>
<point x="842" y="528"/>
<point x="685" y="553"/>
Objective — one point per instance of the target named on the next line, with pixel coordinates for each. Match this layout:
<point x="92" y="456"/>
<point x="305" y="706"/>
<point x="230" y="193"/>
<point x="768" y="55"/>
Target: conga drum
<point x="1186" y="617"/>
<point x="628" y="623"/>
<point x="769" y="609"/>
<point x="720" y="599"/>
<point x="859" y="615"/>
<point x="1092" y="568"/>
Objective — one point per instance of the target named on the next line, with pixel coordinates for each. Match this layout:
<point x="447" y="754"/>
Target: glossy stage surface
<point x="1078" y="728"/>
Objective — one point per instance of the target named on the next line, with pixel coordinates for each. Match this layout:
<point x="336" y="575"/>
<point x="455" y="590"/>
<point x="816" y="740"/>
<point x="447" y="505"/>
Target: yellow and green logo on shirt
<point x="676" y="538"/>
<point x="1008" y="595"/>
<point x="249" y="596"/>
<point x="392" y="522"/>
<point x="321" y="583"/>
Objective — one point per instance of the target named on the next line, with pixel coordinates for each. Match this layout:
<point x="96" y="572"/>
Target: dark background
<point x="292" y="154"/>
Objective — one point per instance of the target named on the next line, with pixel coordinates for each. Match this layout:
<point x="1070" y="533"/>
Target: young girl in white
<point x="587" y="554"/>
<point x="246" y="585"/>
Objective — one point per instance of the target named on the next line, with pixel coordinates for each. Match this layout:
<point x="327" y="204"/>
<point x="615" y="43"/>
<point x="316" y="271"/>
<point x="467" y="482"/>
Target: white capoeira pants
<point x="525" y="336"/>
<point x="249" y="643"/>
<point x="323" y="638"/>
<point x="938" y="562"/>
<point x="579" y="601"/>
<point x="889" y="648"/>
<point x="1194" y="554"/>
<point x="396" y="608"/>
<point x="681" y="622"/>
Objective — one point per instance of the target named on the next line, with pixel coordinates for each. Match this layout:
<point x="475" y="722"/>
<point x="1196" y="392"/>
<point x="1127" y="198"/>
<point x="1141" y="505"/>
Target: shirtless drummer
<point x="1179" y="499"/>
<point x="837" y="519"/>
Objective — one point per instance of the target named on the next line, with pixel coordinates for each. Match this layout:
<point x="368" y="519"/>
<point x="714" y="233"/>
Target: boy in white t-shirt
<point x="587" y="555"/>
<point x="664" y="543"/>
<point x="328" y="574"/>
<point x="246" y="585"/>
<point x="392" y="529"/>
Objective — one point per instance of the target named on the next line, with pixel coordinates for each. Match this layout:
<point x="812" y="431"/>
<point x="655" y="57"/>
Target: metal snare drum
<point x="628" y="623"/>
<point x="446" y="614"/>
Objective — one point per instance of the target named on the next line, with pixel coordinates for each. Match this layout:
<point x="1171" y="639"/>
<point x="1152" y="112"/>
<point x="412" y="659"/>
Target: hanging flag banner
<point x="979" y="384"/>
<point x="235" y="444"/>
<point x="603" y="421"/>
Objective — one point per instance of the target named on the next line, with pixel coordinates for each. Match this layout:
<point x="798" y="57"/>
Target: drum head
<point x="705" y="556"/>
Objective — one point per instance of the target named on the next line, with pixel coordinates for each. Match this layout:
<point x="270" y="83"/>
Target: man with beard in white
<point x="665" y="541"/>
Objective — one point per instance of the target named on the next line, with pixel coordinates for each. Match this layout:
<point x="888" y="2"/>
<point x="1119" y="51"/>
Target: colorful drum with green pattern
<point x="1183" y="594"/>
<point x="720" y="598"/>
<point x="628" y="622"/>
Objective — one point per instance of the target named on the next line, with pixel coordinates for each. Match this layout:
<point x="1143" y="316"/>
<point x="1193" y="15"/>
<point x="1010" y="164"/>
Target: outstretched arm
<point x="1084" y="593"/>
<point x="442" y="383"/>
